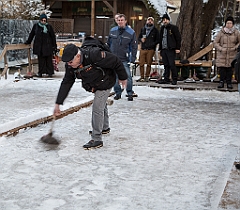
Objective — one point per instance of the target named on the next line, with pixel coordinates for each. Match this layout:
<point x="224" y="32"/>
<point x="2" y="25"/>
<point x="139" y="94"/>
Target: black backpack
<point x="90" y="42"/>
<point x="87" y="45"/>
<point x="94" y="77"/>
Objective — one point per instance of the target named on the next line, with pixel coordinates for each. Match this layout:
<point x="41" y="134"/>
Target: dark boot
<point x="221" y="84"/>
<point x="229" y="86"/>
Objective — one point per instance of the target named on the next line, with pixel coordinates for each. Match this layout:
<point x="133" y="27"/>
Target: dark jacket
<point x="44" y="43"/>
<point x="151" y="40"/>
<point x="114" y="24"/>
<point x="236" y="65"/>
<point x="124" y="45"/>
<point x="101" y="76"/>
<point x="173" y="37"/>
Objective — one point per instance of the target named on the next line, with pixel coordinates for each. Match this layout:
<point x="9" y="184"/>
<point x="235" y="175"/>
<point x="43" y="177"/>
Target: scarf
<point x="148" y="29"/>
<point x="44" y="26"/>
<point x="229" y="30"/>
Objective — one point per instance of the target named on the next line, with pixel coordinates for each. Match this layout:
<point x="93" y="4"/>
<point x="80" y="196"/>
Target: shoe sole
<point x="105" y="132"/>
<point x="90" y="132"/>
<point x="134" y="96"/>
<point x="93" y="147"/>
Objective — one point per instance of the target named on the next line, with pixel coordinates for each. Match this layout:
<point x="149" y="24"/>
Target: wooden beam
<point x="5" y="71"/>
<point x="109" y="5"/>
<point x="3" y="52"/>
<point x="44" y="120"/>
<point x="71" y="110"/>
<point x="51" y="4"/>
<point x="15" y="47"/>
<point x="196" y="63"/>
<point x="201" y="52"/>
<point x="115" y="7"/>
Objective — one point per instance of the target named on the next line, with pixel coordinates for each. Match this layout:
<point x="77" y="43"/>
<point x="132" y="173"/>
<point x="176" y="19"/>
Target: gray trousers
<point x="100" y="119"/>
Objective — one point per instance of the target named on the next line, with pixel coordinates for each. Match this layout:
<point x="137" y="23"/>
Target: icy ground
<point x="168" y="149"/>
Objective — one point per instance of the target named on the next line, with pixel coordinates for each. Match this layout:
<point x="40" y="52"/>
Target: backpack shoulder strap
<point x="86" y="53"/>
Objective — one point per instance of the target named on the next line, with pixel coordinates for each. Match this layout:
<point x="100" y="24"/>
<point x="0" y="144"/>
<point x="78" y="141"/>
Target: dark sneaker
<point x="130" y="98"/>
<point x="117" y="97"/>
<point x="140" y="80"/>
<point x="106" y="131"/>
<point x="229" y="86"/>
<point x="133" y="95"/>
<point x="221" y="84"/>
<point x="93" y="144"/>
<point x="238" y="166"/>
<point x="38" y="75"/>
<point x="103" y="131"/>
<point x="174" y="82"/>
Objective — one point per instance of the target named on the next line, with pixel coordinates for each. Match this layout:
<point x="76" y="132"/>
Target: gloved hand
<point x="55" y="50"/>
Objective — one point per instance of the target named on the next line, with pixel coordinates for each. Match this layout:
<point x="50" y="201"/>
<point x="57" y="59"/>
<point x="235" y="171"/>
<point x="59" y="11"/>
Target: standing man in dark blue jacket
<point x="149" y="38"/>
<point x="123" y="43"/>
<point x="169" y="45"/>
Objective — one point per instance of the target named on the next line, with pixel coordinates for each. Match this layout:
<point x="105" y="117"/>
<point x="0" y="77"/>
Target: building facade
<point x="104" y="11"/>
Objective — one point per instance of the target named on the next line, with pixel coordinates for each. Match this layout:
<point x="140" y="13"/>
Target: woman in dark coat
<point x="236" y="65"/>
<point x="44" y="45"/>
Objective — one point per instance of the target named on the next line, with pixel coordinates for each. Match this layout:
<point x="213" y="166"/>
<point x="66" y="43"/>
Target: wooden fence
<point x="14" y="47"/>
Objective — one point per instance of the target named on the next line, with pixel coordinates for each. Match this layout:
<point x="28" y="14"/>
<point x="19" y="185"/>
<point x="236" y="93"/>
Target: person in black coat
<point x="169" y="45"/>
<point x="236" y="65"/>
<point x="98" y="70"/>
<point x="44" y="45"/>
<point x="149" y="38"/>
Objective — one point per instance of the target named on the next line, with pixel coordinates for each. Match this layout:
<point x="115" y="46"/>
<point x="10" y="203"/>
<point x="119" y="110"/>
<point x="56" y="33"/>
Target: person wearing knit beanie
<point x="226" y="43"/>
<point x="230" y="18"/>
<point x="165" y="16"/>
<point x="44" y="45"/>
<point x="42" y="16"/>
<point x="169" y="46"/>
<point x="148" y="38"/>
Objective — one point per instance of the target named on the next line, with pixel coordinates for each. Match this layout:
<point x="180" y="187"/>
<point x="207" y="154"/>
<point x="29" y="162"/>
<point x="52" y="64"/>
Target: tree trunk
<point x="195" y="23"/>
<point x="188" y="22"/>
<point x="208" y="18"/>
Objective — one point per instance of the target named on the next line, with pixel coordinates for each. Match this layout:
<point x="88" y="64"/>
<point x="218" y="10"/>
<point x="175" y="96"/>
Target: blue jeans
<point x="117" y="88"/>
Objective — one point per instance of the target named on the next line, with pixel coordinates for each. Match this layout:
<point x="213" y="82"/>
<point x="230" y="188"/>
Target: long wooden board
<point x="201" y="53"/>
